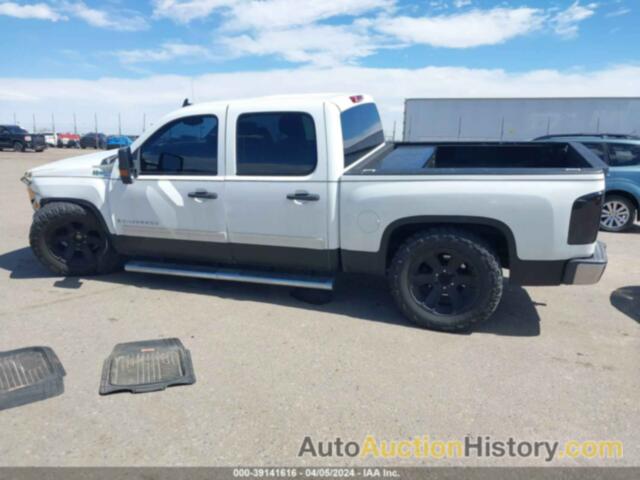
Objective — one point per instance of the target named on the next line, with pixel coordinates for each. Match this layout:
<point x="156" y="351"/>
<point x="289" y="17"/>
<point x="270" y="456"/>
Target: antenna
<point x="186" y="103"/>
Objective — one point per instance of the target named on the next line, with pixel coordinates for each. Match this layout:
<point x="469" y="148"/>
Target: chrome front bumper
<point x="586" y="271"/>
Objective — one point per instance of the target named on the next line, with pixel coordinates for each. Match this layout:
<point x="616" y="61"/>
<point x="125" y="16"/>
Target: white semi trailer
<point x="516" y="119"/>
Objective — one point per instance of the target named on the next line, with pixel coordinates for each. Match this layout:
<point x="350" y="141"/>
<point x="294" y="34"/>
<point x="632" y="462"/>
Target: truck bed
<point x="479" y="158"/>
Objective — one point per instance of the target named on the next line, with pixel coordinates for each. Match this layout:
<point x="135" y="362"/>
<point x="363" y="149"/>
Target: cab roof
<point x="343" y="101"/>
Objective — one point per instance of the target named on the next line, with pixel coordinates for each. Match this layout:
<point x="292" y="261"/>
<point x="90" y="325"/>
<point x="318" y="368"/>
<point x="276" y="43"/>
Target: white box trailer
<point x="516" y="119"/>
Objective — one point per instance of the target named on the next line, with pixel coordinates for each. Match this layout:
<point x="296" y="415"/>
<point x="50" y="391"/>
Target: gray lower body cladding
<point x="522" y="272"/>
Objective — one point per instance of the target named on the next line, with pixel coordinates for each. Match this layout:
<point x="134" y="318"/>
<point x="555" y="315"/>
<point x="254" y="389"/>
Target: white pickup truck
<point x="292" y="190"/>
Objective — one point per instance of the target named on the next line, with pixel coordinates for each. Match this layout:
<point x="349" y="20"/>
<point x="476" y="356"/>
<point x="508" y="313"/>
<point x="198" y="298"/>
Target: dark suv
<point x="94" y="140"/>
<point x="19" y="140"/>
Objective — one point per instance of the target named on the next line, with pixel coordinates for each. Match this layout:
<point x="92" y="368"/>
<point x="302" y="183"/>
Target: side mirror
<point x="125" y="165"/>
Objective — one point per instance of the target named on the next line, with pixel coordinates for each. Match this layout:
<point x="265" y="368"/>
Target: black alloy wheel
<point x="445" y="279"/>
<point x="77" y="244"/>
<point x="444" y="282"/>
<point x="69" y="240"/>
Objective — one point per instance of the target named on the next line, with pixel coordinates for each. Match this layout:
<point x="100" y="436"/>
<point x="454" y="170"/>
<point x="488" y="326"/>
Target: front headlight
<point x="27" y="138"/>
<point x="33" y="198"/>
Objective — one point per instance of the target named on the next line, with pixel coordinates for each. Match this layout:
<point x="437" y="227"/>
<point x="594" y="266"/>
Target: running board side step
<point x="231" y="275"/>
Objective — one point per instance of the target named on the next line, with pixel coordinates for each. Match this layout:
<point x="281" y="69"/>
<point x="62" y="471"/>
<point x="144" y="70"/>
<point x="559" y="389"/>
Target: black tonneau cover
<point x="479" y="158"/>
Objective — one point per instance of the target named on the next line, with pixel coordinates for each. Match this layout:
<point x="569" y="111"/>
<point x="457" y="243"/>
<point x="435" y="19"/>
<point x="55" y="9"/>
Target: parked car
<point x="94" y="140"/>
<point x="293" y="190"/>
<point x="622" y="154"/>
<point x="68" y="140"/>
<point x="118" y="141"/>
<point x="18" y="139"/>
<point x="50" y="138"/>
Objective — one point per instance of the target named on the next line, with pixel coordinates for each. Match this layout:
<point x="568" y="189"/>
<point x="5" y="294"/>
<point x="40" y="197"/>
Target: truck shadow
<point x="627" y="300"/>
<point x="358" y="296"/>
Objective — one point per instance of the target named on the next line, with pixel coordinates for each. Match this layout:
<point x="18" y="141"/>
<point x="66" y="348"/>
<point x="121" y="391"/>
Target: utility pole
<point x="119" y="125"/>
<point x="144" y="122"/>
<point x="75" y="125"/>
<point x="15" y="121"/>
<point x="34" y="123"/>
<point x="53" y="123"/>
<point x="95" y="120"/>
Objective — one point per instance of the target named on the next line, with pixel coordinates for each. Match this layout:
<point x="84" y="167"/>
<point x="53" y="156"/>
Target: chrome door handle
<point x="203" y="194"/>
<point x="306" y="196"/>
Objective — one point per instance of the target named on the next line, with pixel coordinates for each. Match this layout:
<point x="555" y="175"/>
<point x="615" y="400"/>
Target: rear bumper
<point x="586" y="271"/>
<point x="35" y="145"/>
<point x="576" y="271"/>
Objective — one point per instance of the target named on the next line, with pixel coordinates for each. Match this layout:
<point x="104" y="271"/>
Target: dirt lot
<point x="558" y="363"/>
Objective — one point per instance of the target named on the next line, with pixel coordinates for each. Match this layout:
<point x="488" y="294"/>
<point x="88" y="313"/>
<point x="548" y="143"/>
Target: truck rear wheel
<point x="69" y="240"/>
<point x="445" y="279"/>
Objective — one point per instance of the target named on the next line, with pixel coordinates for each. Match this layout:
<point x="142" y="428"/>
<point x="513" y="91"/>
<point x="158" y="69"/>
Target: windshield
<point x="15" y="129"/>
<point x="361" y="132"/>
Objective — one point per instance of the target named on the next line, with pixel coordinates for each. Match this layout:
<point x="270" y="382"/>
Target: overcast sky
<point x="133" y="58"/>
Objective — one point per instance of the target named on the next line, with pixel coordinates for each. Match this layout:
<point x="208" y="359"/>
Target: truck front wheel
<point x="445" y="279"/>
<point x="69" y="240"/>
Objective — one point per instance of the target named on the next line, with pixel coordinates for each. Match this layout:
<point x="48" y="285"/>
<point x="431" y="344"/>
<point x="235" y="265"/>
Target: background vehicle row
<point x="622" y="154"/>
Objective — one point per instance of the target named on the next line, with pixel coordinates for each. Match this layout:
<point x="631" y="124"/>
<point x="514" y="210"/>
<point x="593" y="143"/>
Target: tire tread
<point x="50" y="212"/>
<point x="485" y="255"/>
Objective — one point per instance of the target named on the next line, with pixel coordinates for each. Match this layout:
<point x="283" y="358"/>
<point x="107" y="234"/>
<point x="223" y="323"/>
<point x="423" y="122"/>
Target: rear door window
<point x="624" y="155"/>
<point x="276" y="144"/>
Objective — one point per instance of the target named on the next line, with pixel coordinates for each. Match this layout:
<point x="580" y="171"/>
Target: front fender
<point x="88" y="192"/>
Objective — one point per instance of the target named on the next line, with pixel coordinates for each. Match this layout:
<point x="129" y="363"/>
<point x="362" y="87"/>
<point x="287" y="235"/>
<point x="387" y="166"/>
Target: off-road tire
<point x="18" y="147"/>
<point x="50" y="223"/>
<point x="483" y="263"/>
